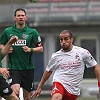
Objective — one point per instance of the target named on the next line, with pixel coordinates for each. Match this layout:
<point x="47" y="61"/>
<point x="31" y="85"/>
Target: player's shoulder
<point x="79" y="49"/>
<point x="55" y="54"/>
<point x="9" y="28"/>
<point x="31" y="29"/>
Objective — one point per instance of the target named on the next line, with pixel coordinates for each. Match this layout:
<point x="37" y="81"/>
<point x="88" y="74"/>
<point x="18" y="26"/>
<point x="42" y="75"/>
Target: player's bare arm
<point x="2" y="47"/>
<point x="45" y="76"/>
<point x="36" y="49"/>
<point x="6" y="48"/>
<point x="97" y="71"/>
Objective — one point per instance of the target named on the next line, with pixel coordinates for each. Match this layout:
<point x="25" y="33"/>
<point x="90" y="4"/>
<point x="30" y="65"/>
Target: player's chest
<point x="69" y="61"/>
<point x="23" y="38"/>
<point x="21" y="35"/>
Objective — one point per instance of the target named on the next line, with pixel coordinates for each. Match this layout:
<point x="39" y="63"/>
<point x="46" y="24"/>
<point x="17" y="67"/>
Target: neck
<point x="20" y="26"/>
<point x="69" y="49"/>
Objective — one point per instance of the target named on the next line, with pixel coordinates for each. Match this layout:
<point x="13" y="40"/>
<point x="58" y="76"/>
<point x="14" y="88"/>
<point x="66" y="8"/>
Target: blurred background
<point x="49" y="18"/>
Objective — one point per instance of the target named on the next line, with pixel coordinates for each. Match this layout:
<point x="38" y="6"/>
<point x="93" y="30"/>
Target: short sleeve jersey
<point x="19" y="59"/>
<point x="69" y="67"/>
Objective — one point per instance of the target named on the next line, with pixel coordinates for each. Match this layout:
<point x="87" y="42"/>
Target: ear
<point x="72" y="39"/>
<point x="26" y="18"/>
<point x="14" y="18"/>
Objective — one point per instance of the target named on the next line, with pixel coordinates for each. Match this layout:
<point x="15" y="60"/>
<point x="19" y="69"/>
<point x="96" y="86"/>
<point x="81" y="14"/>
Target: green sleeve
<point x="36" y="37"/>
<point x="3" y="38"/>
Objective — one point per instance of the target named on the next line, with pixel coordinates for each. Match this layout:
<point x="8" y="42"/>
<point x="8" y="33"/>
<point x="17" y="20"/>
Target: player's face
<point x="20" y="17"/>
<point x="66" y="41"/>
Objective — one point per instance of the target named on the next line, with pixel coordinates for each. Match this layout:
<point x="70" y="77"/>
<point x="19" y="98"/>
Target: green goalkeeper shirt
<point x="18" y="59"/>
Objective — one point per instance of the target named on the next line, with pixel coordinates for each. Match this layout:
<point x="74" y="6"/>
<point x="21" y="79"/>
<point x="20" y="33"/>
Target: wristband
<point x="98" y="84"/>
<point x="32" y="50"/>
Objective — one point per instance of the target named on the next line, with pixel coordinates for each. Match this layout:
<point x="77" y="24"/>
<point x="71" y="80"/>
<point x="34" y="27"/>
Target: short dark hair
<point x="67" y="31"/>
<point x="19" y="9"/>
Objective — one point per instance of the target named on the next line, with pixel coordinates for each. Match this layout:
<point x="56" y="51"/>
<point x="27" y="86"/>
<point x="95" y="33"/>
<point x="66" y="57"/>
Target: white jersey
<point x="69" y="67"/>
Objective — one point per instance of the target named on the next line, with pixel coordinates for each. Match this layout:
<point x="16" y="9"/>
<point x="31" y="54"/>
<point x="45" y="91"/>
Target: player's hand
<point x="26" y="49"/>
<point x="13" y="39"/>
<point x="36" y="93"/>
<point x="5" y="72"/>
<point x="10" y="50"/>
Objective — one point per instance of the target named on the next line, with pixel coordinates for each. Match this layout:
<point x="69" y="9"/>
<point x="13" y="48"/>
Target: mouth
<point x="20" y="20"/>
<point x="63" y="45"/>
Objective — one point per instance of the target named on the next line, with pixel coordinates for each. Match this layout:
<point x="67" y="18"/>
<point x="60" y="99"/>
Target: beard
<point x="21" y="24"/>
<point x="65" y="48"/>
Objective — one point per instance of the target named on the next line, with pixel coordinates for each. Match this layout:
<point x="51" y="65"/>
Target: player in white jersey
<point x="68" y="64"/>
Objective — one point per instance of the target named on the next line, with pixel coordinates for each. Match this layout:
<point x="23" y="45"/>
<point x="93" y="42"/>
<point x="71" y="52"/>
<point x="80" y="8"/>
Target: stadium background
<point x="49" y="18"/>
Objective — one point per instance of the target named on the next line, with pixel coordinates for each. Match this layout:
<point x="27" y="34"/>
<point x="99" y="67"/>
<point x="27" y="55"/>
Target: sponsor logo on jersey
<point x="20" y="42"/>
<point x="25" y="36"/>
<point x="6" y="90"/>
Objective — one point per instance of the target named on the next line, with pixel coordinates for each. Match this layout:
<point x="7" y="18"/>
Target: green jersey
<point x="18" y="59"/>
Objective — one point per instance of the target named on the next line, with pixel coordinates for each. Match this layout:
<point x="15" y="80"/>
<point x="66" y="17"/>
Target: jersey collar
<point x="19" y="30"/>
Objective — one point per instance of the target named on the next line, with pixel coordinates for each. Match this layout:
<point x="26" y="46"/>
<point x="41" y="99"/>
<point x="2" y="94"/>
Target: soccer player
<point x="68" y="64"/>
<point x="5" y="90"/>
<point x="20" y="54"/>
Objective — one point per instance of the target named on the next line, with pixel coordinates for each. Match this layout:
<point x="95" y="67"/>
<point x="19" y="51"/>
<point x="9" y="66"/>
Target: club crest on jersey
<point x="25" y="36"/>
<point x="20" y="42"/>
<point x="77" y="57"/>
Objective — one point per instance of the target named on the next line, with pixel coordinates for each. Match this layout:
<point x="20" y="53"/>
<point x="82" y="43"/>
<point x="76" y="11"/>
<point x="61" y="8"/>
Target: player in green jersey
<point x="5" y="90"/>
<point x="20" y="54"/>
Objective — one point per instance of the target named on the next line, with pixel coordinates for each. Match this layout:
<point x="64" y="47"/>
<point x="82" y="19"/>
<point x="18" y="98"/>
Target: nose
<point x="21" y="16"/>
<point x="63" y="41"/>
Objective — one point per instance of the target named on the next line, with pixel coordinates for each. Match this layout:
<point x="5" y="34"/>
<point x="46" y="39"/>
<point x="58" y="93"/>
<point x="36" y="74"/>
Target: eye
<point x="18" y="15"/>
<point x="61" y="39"/>
<point x="66" y="39"/>
<point x="23" y="15"/>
